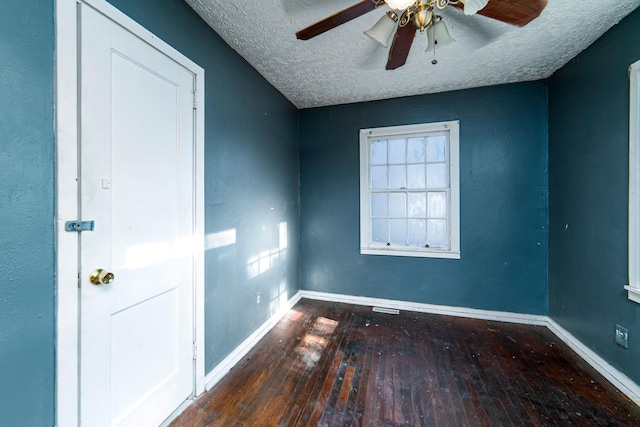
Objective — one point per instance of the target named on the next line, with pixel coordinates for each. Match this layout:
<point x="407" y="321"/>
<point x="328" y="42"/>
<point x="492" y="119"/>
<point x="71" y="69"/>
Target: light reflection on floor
<point x="312" y="344"/>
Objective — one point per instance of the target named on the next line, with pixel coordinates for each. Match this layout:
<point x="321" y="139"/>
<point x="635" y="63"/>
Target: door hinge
<point x="79" y="225"/>
<point x="195" y="100"/>
<point x="195" y="350"/>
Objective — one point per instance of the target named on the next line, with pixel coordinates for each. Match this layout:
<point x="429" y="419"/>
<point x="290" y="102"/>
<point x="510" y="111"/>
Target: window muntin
<point x="409" y="190"/>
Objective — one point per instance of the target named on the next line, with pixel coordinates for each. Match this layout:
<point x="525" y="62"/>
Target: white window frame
<point x="366" y="135"/>
<point x="633" y="287"/>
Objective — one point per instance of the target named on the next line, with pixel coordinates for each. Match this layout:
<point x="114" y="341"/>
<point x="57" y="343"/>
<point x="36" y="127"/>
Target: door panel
<point x="137" y="156"/>
<point x="139" y="334"/>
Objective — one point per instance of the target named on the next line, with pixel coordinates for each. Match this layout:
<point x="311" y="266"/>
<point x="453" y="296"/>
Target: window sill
<point x="410" y="253"/>
<point x="633" y="293"/>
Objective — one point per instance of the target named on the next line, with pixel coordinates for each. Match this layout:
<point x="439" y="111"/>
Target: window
<point x="409" y="190"/>
<point x="634" y="184"/>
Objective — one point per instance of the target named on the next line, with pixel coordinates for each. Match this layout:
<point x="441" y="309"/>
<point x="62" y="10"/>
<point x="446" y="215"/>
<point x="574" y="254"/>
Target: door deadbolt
<point x="101" y="277"/>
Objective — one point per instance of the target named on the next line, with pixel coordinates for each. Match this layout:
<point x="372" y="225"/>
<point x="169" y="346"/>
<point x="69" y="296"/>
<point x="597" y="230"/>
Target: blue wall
<point x="504" y="198"/>
<point x="26" y="214"/>
<point x="588" y="160"/>
<point x="251" y="174"/>
<point x="251" y="187"/>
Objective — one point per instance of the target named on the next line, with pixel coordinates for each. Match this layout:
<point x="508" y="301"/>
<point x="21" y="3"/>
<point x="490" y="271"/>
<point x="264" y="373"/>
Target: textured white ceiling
<point x="344" y="66"/>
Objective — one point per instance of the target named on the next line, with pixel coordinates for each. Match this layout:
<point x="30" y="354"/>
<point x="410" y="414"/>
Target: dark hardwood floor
<point x="328" y="364"/>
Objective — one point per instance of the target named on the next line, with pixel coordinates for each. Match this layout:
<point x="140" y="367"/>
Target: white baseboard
<point x="222" y="368"/>
<point x="472" y="313"/>
<point x="615" y="377"/>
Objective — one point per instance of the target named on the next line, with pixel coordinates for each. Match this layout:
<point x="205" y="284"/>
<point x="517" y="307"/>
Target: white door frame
<point x="633" y="288"/>
<point x="67" y="196"/>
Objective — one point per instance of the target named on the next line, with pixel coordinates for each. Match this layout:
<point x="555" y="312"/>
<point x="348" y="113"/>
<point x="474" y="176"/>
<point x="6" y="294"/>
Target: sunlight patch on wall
<point x="282" y="235"/>
<point x="279" y="297"/>
<point x="264" y="262"/>
<point x="270" y="258"/>
<point x="220" y="239"/>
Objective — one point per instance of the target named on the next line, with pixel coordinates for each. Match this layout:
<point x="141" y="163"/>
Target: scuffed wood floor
<point x="328" y="364"/>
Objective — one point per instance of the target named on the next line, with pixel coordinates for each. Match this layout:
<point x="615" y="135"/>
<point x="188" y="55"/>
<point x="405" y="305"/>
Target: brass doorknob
<point x="101" y="277"/>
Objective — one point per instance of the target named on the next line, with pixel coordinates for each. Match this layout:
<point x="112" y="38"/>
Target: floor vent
<point x="386" y="310"/>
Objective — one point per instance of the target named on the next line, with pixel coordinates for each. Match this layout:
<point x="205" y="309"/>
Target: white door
<point x="137" y="183"/>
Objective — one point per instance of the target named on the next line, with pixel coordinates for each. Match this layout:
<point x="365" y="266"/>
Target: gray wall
<point x="26" y="214"/>
<point x="588" y="161"/>
<point x="251" y="172"/>
<point x="504" y="198"/>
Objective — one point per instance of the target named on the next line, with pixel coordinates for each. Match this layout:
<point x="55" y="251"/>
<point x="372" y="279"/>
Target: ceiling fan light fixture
<point x="399" y="4"/>
<point x="423" y="17"/>
<point x="438" y="34"/>
<point x="383" y="29"/>
<point x="471" y="7"/>
<point x="408" y="16"/>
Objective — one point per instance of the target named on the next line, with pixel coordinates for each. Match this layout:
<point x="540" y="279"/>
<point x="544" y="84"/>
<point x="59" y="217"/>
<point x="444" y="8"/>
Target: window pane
<point x="417" y="205"/>
<point x="410" y="192"/>
<point x="379" y="152"/>
<point x="437" y="205"/>
<point x="436" y="149"/>
<point x="398" y="229"/>
<point x="378" y="177"/>
<point x="437" y="175"/>
<point x="415" y="176"/>
<point x="397" y="205"/>
<point x="398" y="176"/>
<point x="417" y="232"/>
<point x="397" y="151"/>
<point x="416" y="150"/>
<point x="380" y="230"/>
<point x="437" y="233"/>
<point x="379" y="205"/>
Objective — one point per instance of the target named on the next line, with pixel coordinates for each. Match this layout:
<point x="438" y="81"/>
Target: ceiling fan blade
<point x="514" y="12"/>
<point x="402" y="41"/>
<point x="339" y="18"/>
<point x="483" y="31"/>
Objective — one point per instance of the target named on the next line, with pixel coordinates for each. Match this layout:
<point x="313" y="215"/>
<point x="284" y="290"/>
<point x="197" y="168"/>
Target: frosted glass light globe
<point x="399" y="4"/>
<point x="471" y="7"/>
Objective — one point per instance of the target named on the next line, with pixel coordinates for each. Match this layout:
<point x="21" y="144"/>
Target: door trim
<point x="67" y="196"/>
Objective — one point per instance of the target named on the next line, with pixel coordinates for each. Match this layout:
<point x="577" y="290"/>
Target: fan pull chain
<point x="434" y="61"/>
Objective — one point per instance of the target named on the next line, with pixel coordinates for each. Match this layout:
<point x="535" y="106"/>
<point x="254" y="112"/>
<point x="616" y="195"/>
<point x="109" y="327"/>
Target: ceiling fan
<point x="410" y="16"/>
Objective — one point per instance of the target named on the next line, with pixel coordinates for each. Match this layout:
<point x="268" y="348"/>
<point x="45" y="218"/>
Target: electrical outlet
<point x="257" y="298"/>
<point x="622" y="336"/>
